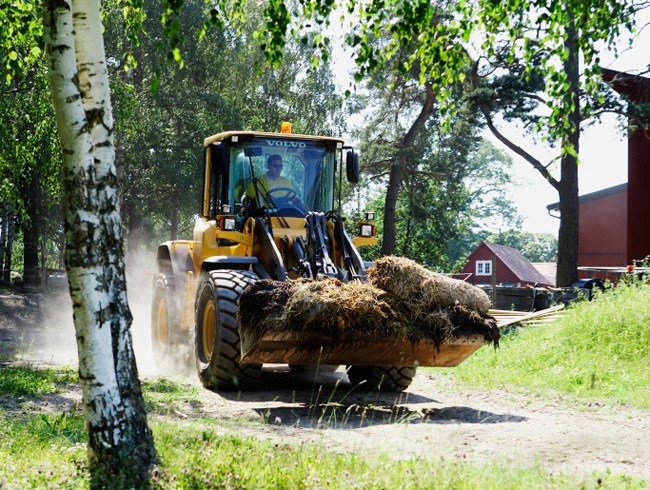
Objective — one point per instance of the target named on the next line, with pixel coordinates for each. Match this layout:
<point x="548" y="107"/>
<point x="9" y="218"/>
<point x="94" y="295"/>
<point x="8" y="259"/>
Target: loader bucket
<point x="313" y="348"/>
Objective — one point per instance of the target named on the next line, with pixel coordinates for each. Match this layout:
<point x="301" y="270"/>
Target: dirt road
<point x="434" y="419"/>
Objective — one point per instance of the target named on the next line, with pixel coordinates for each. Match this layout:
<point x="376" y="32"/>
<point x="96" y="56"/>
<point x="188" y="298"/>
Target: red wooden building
<point x="509" y="266"/>
<point x="615" y="222"/>
<point x="603" y="227"/>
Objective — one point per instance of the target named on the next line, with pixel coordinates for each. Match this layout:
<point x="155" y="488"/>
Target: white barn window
<point x="483" y="267"/>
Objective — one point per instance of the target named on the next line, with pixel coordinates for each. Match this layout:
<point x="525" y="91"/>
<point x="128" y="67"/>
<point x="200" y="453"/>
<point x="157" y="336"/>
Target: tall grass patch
<point x="163" y="395"/>
<point x="32" y="381"/>
<point x="45" y="451"/>
<point x="597" y="350"/>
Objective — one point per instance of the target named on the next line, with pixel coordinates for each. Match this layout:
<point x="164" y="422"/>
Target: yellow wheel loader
<point x="270" y="212"/>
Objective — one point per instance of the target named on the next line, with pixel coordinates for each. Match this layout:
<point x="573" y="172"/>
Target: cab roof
<point x="228" y="134"/>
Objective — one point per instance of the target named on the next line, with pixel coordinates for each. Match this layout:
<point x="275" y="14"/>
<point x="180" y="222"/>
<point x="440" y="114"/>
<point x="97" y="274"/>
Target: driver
<point x="271" y="180"/>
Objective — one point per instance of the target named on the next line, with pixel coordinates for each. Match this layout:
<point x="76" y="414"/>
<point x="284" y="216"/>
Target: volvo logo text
<point x="286" y="143"/>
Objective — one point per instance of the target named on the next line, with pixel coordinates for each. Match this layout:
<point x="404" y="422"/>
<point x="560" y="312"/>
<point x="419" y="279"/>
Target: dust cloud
<point x="51" y="338"/>
<point x="140" y="274"/>
<point x="140" y="270"/>
<point x="43" y="324"/>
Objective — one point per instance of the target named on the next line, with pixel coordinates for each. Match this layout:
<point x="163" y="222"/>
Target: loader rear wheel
<point x="217" y="341"/>
<point x="165" y="321"/>
<point x="381" y="378"/>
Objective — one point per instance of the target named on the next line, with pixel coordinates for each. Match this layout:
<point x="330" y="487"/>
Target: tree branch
<point x="379" y="176"/>
<point x="433" y="175"/>
<point x="521" y="152"/>
<point x="536" y="97"/>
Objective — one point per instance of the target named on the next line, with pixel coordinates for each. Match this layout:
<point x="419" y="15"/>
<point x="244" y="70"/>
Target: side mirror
<point x="352" y="166"/>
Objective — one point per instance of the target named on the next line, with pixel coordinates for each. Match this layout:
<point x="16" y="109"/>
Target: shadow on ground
<point x="327" y="400"/>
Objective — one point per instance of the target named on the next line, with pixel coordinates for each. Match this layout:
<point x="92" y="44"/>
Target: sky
<point x="603" y="146"/>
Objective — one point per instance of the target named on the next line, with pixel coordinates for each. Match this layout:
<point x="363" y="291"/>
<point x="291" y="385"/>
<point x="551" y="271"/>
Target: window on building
<point x="483" y="267"/>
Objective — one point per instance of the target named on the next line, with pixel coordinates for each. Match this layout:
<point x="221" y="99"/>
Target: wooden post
<point x="494" y="280"/>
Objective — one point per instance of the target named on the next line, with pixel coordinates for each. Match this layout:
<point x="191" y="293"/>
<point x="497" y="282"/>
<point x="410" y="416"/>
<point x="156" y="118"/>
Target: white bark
<point x="80" y="90"/>
<point x="121" y="450"/>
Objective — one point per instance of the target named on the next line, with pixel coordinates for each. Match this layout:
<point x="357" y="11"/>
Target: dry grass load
<point x="329" y="305"/>
<point x="358" y="310"/>
<point x="424" y="290"/>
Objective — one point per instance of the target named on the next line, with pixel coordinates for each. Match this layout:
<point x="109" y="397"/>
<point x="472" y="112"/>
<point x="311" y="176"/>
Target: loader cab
<point x="238" y="177"/>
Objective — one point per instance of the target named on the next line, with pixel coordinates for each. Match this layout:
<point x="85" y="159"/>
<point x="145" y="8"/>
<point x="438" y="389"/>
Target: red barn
<point x="615" y="222"/>
<point x="636" y="89"/>
<point x="603" y="227"/>
<point x="510" y="267"/>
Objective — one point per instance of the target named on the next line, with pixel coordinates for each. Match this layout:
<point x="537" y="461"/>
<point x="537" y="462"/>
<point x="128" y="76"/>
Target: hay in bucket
<point x="423" y="290"/>
<point x="352" y="309"/>
<point x="429" y="307"/>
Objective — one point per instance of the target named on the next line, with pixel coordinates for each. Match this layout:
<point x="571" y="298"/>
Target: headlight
<point x="229" y="224"/>
<point x="366" y="230"/>
<point x="370" y="216"/>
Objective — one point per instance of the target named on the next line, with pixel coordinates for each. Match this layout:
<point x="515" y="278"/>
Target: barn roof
<point x="592" y="196"/>
<point x="517" y="263"/>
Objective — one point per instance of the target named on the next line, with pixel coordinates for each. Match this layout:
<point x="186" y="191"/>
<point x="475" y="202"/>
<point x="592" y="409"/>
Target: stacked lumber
<point x="506" y="318"/>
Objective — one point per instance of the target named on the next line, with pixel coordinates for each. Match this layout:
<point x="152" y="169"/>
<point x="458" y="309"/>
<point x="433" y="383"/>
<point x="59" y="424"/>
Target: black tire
<point x="217" y="341"/>
<point x="165" y="322"/>
<point x="381" y="378"/>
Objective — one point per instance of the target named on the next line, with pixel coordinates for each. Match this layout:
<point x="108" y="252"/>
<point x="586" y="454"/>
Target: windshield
<point x="287" y="176"/>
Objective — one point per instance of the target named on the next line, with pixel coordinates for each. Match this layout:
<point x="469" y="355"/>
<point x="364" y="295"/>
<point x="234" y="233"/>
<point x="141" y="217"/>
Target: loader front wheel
<point x="217" y="340"/>
<point x="381" y="378"/>
<point x="165" y="321"/>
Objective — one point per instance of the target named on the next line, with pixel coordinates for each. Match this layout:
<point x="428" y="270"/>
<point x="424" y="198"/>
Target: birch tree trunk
<point x="121" y="451"/>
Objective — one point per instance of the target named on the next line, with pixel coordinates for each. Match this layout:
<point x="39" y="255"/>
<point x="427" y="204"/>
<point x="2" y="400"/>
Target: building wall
<point x="636" y="89"/>
<point x="504" y="275"/>
<point x="603" y="231"/>
<point x="638" y="198"/>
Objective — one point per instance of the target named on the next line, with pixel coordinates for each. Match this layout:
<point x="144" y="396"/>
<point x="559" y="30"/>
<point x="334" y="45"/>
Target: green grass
<point x="45" y="451"/>
<point x="164" y="396"/>
<point x="599" y="350"/>
<point x="194" y="457"/>
<point x="31" y="381"/>
<point x="49" y="452"/>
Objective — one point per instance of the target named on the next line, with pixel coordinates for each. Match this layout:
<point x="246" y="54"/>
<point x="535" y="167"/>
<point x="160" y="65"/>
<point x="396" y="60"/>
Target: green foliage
<point x="598" y="350"/>
<point x="21" y="37"/>
<point x="220" y="87"/>
<point x="30" y="158"/>
<point x="452" y="182"/>
<point x="534" y="44"/>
